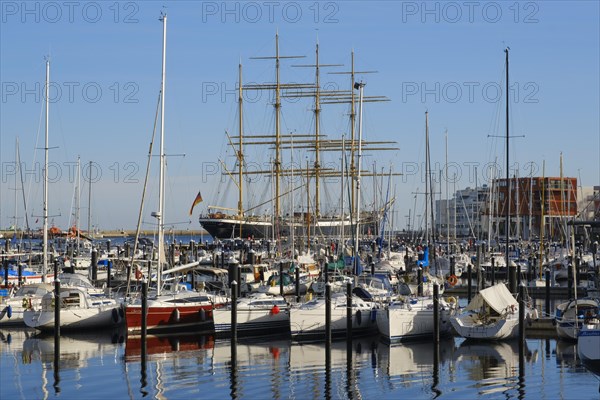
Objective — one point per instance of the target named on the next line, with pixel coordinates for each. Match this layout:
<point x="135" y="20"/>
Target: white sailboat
<point x="179" y="308"/>
<point x="412" y="318"/>
<point x="78" y="310"/>
<point x="588" y="344"/>
<point x="307" y="322"/>
<point x="493" y="314"/>
<point x="569" y="316"/>
<point x="257" y="314"/>
<point x="26" y="297"/>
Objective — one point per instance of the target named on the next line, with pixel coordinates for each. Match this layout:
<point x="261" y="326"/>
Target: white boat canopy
<point x="498" y="297"/>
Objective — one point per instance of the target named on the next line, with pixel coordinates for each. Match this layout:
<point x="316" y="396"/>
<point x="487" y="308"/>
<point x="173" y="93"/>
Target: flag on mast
<point x="197" y="200"/>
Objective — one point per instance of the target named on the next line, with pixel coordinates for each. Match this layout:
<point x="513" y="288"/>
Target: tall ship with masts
<point x="305" y="181"/>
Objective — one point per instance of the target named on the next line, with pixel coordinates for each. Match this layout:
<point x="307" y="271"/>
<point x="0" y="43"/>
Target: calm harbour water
<point x="107" y="365"/>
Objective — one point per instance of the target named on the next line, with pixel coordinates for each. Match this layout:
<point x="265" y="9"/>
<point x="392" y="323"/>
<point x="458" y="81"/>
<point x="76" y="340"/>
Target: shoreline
<point x="6" y="234"/>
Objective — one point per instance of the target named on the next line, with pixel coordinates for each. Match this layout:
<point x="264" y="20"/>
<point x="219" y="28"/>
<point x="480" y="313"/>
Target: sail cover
<point x="498" y="297"/>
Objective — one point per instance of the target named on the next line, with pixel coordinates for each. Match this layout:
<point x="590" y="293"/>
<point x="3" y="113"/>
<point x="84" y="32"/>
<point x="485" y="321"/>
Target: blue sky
<point x="443" y="57"/>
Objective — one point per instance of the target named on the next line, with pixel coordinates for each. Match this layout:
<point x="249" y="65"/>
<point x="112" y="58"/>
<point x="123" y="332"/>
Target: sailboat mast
<point x="543" y="220"/>
<point x="293" y="219"/>
<point x="343" y="168"/>
<point x="530" y="203"/>
<point x="45" y="206"/>
<point x="277" y="130"/>
<point x="161" y="179"/>
<point x="78" y="214"/>
<point x="317" y="144"/>
<point x="447" y="209"/>
<point x="16" y="194"/>
<point x="360" y="86"/>
<point x="354" y="209"/>
<point x="240" y="155"/>
<point x="507" y="201"/>
<point x="89" y="216"/>
<point x="426" y="178"/>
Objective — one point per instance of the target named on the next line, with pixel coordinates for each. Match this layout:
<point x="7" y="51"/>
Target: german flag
<point x="197" y="200"/>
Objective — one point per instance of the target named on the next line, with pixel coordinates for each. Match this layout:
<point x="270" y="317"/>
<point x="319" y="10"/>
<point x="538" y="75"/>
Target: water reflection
<point x="492" y="366"/>
<point x="188" y="366"/>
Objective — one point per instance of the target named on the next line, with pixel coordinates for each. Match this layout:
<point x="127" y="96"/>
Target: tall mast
<point x="317" y="146"/>
<point x="240" y="155"/>
<point x="89" y="216"/>
<point x="161" y="181"/>
<point x="45" y="228"/>
<point x="307" y="220"/>
<point x="318" y="94"/>
<point x="455" y="199"/>
<point x="277" y="131"/>
<point x="343" y="168"/>
<point x="447" y="209"/>
<point x="277" y="87"/>
<point x="352" y="136"/>
<point x="78" y="204"/>
<point x="506" y="199"/>
<point x="426" y="177"/>
<point x="293" y="219"/>
<point x="16" y="193"/>
<point x="542" y="220"/>
<point x="530" y="202"/>
<point x="517" y="205"/>
<point x="360" y="86"/>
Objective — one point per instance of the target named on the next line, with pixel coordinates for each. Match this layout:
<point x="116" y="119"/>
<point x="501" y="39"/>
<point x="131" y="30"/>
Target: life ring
<point x="275" y="310"/>
<point x="452" y="280"/>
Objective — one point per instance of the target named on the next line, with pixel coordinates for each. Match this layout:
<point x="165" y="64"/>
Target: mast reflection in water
<point x="110" y="365"/>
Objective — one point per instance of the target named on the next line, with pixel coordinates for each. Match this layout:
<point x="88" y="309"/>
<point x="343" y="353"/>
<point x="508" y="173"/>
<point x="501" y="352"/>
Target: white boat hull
<point x="84" y="318"/>
<point x="469" y="326"/>
<point x="588" y="343"/>
<point x="309" y="323"/>
<point x="252" y="321"/>
<point x="397" y="324"/>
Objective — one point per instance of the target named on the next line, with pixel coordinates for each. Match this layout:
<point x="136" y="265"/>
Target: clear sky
<point x="443" y="57"/>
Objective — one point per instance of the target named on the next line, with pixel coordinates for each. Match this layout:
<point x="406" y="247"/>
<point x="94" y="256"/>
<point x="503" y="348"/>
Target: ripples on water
<point x="106" y="365"/>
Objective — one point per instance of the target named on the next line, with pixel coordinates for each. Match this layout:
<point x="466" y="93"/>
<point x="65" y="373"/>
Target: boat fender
<point x="275" y="310"/>
<point x="553" y="321"/>
<point x="138" y="274"/>
<point x="52" y="303"/>
<point x="359" y="317"/>
<point x="176" y="315"/>
<point x="9" y="311"/>
<point x="202" y="314"/>
<point x="451" y="300"/>
<point x="115" y="315"/>
<point x="122" y="311"/>
<point x="513" y="308"/>
<point x="452" y="280"/>
<point x="528" y="320"/>
<point x="373" y="315"/>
